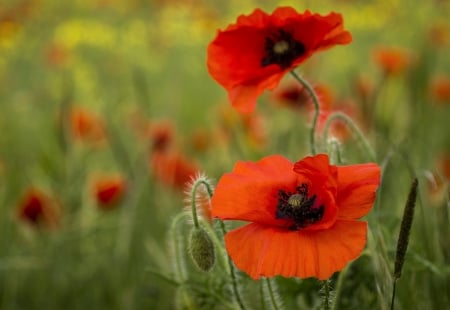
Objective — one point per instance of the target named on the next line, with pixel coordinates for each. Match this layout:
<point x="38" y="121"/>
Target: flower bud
<point x="201" y="249"/>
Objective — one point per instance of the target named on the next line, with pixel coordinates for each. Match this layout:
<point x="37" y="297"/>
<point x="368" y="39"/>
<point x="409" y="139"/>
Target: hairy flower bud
<point x="201" y="249"/>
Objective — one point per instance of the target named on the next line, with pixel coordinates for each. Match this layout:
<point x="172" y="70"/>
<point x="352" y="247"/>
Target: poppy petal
<point x="249" y="192"/>
<point x="357" y="185"/>
<point x="243" y="97"/>
<point x="336" y="33"/>
<point x="316" y="168"/>
<point x="266" y="251"/>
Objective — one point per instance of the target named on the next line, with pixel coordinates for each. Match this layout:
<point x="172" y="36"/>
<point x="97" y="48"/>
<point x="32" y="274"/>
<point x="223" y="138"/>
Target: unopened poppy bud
<point x="201" y="249"/>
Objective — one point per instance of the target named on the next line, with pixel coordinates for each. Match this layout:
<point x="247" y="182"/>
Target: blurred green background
<point x="133" y="64"/>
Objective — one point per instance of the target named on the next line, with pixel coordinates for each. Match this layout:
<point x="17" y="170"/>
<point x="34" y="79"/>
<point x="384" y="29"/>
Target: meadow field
<point x="114" y="134"/>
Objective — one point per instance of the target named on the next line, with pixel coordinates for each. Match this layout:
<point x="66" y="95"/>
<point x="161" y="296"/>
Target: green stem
<point x="179" y="266"/>
<point x="271" y="294"/>
<point x="208" y="188"/>
<point x="163" y="277"/>
<point x="233" y="275"/>
<point x="334" y="149"/>
<point x="197" y="183"/>
<point x="223" y="254"/>
<point x="353" y="127"/>
<point x="261" y="295"/>
<point x="393" y="293"/>
<point x="315" y="101"/>
<point x="326" y="302"/>
<point x="338" y="289"/>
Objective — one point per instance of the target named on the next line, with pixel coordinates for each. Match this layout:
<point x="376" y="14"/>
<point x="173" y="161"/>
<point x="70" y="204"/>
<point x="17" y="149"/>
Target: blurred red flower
<point x="36" y="208"/>
<point x="161" y="136"/>
<point x="304" y="216"/>
<point x="108" y="191"/>
<point x="252" y="125"/>
<point x="295" y="96"/>
<point x="259" y="49"/>
<point x="292" y="95"/>
<point x="86" y="126"/>
<point x="392" y="60"/>
<point x="201" y="140"/>
<point x="440" y="89"/>
<point x="439" y="34"/>
<point x="172" y="169"/>
<point x="364" y="88"/>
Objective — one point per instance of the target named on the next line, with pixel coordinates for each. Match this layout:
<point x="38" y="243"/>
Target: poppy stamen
<point x="299" y="207"/>
<point x="282" y="49"/>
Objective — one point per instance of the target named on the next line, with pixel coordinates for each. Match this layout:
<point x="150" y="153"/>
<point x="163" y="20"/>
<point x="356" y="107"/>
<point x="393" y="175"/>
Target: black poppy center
<point x="282" y="49"/>
<point x="300" y="207"/>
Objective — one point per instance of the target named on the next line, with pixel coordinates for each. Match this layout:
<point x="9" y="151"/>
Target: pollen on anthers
<point x="281" y="47"/>
<point x="300" y="208"/>
<point x="296" y="200"/>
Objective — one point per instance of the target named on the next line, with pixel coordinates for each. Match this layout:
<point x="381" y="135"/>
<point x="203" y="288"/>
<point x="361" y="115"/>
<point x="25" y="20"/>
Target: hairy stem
<point x="315" y="100"/>
<point x="353" y="127"/>
<point x="234" y="284"/>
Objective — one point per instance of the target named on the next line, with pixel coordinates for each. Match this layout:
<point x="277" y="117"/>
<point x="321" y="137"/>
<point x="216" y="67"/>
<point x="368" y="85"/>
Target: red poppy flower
<point x="172" y="169"/>
<point x="295" y="96"/>
<point x="292" y="95"/>
<point x="86" y="126"/>
<point x="252" y="125"/>
<point x="259" y="49"/>
<point x="440" y="89"/>
<point x="392" y="61"/>
<point x="37" y="208"/>
<point x="161" y="135"/>
<point x="304" y="216"/>
<point x="109" y="191"/>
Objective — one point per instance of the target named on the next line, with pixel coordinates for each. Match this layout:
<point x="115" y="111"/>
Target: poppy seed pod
<point x="201" y="249"/>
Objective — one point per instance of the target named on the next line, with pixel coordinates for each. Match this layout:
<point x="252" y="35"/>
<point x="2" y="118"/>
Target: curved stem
<point x="208" y="187"/>
<point x="355" y="130"/>
<point x="334" y="149"/>
<point x="315" y="101"/>
<point x="179" y="265"/>
<point x="197" y="183"/>
<point x="223" y="254"/>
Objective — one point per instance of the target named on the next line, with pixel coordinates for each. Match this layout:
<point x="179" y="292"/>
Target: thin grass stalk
<point x="403" y="237"/>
